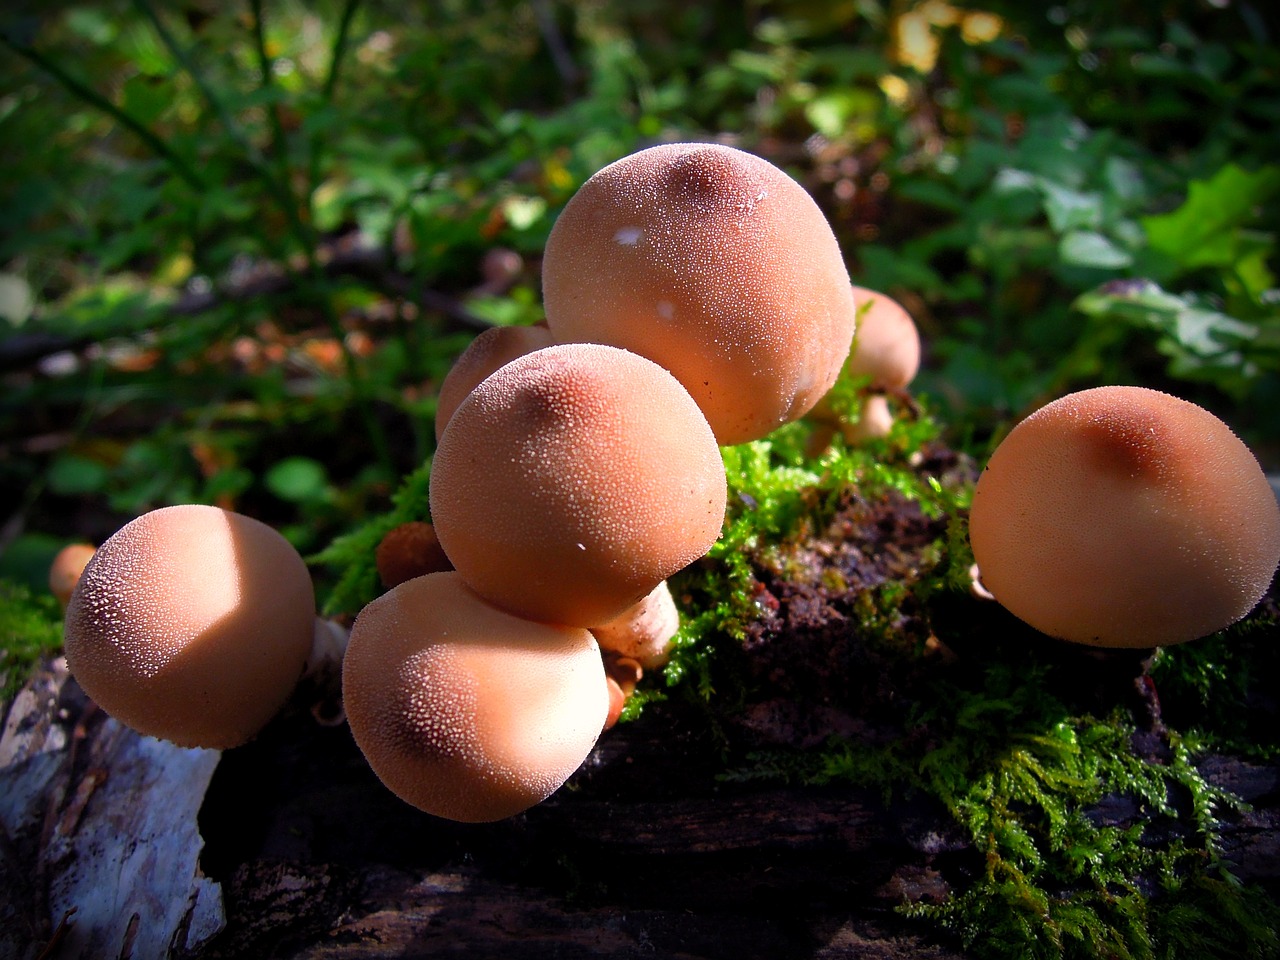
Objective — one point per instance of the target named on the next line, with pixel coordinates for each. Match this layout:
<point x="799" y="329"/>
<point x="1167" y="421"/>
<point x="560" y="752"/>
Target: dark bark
<point x="645" y="853"/>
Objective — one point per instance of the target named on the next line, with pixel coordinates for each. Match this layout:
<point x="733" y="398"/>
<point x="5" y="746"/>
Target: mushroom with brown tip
<point x="715" y="264"/>
<point x="486" y="353"/>
<point x="1125" y="517"/>
<point x="465" y="711"/>
<point x="573" y="481"/>
<point x="886" y="355"/>
<point x="193" y="624"/>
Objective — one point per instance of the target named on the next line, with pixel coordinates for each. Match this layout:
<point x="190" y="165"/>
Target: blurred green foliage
<point x="241" y="241"/>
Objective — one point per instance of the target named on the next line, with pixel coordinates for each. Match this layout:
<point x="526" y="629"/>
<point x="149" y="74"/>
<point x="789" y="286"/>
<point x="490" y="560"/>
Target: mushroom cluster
<point x="695" y="296"/>
<point x="567" y="486"/>
<point x="1125" y="517"/>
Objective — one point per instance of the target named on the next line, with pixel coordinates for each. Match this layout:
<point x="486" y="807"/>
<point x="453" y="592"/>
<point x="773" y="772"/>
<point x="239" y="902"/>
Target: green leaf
<point x="1208" y="230"/>
<point x="71" y="475"/>
<point x="1087" y="248"/>
<point x="297" y="479"/>
<point x="1071" y="209"/>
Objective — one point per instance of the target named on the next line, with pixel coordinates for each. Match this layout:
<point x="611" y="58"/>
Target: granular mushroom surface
<point x="715" y="264"/>
<point x="1125" y="517"/>
<point x="465" y="711"/>
<point x="573" y="481"/>
<point x="192" y="624"/>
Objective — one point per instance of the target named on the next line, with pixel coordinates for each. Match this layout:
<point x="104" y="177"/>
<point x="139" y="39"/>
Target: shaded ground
<point x="648" y="851"/>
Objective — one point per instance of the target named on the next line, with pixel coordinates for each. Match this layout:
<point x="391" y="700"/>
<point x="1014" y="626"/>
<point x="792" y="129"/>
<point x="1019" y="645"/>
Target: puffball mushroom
<point x="192" y="624"/>
<point x="885" y="353"/>
<point x="465" y="711"/>
<point x="573" y="481"/>
<point x="1125" y="517"/>
<point x="886" y="349"/>
<point x="409" y="550"/>
<point x="65" y="570"/>
<point x="486" y="353"/>
<point x="715" y="264"/>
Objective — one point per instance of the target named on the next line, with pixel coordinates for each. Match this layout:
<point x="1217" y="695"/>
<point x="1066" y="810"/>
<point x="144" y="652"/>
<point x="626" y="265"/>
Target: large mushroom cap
<point x="1125" y="517"/>
<point x="192" y="624"/>
<point x="464" y="711"/>
<point x="716" y="265"/>
<point x="573" y="481"/>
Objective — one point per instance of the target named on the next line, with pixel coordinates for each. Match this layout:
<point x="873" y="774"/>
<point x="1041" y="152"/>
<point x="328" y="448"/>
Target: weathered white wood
<point x="124" y="855"/>
<point x="99" y="843"/>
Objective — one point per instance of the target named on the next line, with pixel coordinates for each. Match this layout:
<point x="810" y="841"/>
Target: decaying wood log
<point x="102" y="852"/>
<point x="645" y="853"/>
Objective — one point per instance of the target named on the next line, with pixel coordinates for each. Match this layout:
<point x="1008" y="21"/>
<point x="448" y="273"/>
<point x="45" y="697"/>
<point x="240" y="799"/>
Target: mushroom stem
<point x="322" y="678"/>
<point x="643" y="632"/>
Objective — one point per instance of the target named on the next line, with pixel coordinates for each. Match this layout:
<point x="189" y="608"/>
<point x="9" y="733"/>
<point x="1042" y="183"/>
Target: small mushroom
<point x="644" y="630"/>
<point x="715" y="264"/>
<point x="485" y="354"/>
<point x="573" y="481"/>
<point x="65" y="570"/>
<point x="886" y="348"/>
<point x="622" y="675"/>
<point x="409" y="550"/>
<point x="465" y="711"/>
<point x="192" y="624"/>
<point x="886" y="354"/>
<point x="1125" y="517"/>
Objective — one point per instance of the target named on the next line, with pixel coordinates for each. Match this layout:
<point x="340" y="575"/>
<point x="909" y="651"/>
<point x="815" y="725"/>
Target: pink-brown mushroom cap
<point x="1125" y="517"/>
<point x="192" y="624"/>
<point x="65" y="570"/>
<point x="887" y="345"/>
<point x="573" y="481"/>
<point x="716" y="265"/>
<point x="465" y="711"/>
<point x="486" y="353"/>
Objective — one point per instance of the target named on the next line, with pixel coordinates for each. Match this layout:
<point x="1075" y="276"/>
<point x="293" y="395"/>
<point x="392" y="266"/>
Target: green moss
<point x="1023" y="765"/>
<point x="1009" y="738"/>
<point x="30" y="628"/>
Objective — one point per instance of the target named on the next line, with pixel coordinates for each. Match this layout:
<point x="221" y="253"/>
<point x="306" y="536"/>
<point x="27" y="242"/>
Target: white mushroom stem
<point x="643" y="632"/>
<point x="976" y="587"/>
<point x="322" y="678"/>
<point x="875" y="422"/>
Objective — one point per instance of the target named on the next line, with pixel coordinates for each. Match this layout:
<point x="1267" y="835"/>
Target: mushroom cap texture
<point x="573" y="481"/>
<point x="887" y="345"/>
<point x="192" y="624"/>
<point x="716" y="265"/>
<point x="464" y="711"/>
<point x="1125" y="517"/>
<point x="486" y="353"/>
